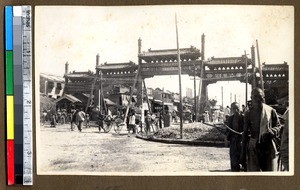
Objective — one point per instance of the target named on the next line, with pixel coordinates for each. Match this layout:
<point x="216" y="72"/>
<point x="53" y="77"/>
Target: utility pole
<point x="260" y="69"/>
<point x="195" y="98"/>
<point x="246" y="67"/>
<point x="179" y="73"/>
<point x="222" y="96"/>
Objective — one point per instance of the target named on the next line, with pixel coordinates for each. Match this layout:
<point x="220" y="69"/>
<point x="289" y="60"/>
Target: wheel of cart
<point x="118" y="125"/>
<point x="107" y="126"/>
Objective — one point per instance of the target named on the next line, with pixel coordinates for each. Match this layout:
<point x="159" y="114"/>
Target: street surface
<point x="62" y="151"/>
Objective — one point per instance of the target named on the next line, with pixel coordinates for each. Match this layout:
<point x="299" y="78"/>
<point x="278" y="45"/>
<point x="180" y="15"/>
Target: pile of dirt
<point x="193" y="131"/>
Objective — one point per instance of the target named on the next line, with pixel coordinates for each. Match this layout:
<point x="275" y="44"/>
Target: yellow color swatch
<point x="10" y="117"/>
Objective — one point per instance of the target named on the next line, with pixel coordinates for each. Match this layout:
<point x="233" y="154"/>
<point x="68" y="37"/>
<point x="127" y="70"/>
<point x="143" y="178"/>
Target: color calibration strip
<point x="18" y="94"/>
<point x="9" y="95"/>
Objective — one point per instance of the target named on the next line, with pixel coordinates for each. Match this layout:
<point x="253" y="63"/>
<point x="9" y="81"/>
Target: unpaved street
<point x="63" y="151"/>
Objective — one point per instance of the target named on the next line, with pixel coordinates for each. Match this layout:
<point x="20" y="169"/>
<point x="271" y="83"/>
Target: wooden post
<point x="200" y="84"/>
<point x="195" y="98"/>
<point x="260" y="69"/>
<point x="246" y="67"/>
<point x="179" y="73"/>
<point x="148" y="103"/>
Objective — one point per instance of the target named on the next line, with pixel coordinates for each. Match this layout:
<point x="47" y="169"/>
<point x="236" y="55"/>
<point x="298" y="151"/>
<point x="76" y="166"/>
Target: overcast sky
<point x="77" y="34"/>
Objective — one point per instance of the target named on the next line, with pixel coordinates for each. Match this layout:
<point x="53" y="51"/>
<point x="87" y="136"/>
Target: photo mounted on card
<point x="191" y="90"/>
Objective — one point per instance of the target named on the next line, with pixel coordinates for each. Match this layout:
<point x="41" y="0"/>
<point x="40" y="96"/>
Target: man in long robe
<point x="236" y="123"/>
<point x="261" y="127"/>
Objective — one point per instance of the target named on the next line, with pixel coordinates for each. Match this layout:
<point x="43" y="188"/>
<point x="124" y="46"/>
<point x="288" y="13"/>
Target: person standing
<point x="226" y="112"/>
<point x="236" y="123"/>
<point x="261" y="125"/>
<point x="73" y="118"/>
<point x="101" y="118"/>
<point x="147" y="122"/>
<point x="80" y="118"/>
<point x="131" y="124"/>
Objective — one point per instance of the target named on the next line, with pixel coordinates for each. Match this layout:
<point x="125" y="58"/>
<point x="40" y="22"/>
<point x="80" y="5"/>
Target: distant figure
<point x="80" y="117"/>
<point x="206" y="117"/>
<point x="73" y="119"/>
<point x="87" y="120"/>
<point x="226" y="113"/>
<point x="131" y="124"/>
<point x="101" y="118"/>
<point x="167" y="119"/>
<point x="160" y="121"/>
<point x="243" y="108"/>
<point x="53" y="120"/>
<point x="147" y="122"/>
<point x="236" y="123"/>
<point x="262" y="126"/>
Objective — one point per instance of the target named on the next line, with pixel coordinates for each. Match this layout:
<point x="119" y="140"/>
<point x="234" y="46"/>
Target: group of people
<point x="258" y="141"/>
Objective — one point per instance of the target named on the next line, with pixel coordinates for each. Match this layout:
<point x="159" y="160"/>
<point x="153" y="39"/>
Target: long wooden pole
<point x="195" y="96"/>
<point x="246" y="67"/>
<point x="260" y="69"/>
<point x="200" y="85"/>
<point x="179" y="73"/>
<point x="148" y="103"/>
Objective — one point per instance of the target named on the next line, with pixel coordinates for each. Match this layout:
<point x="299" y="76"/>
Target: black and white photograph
<point x="164" y="90"/>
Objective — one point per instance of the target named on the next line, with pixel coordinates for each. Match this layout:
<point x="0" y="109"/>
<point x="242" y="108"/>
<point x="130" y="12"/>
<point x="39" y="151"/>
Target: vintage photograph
<point x="191" y="90"/>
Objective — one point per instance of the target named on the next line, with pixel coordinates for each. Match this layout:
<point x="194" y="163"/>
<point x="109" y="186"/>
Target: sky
<point x="77" y="34"/>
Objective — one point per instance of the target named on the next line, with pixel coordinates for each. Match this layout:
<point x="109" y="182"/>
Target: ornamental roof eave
<point x="192" y="51"/>
<point x="275" y="67"/>
<point x="78" y="75"/>
<point x="51" y="77"/>
<point x="227" y="61"/>
<point x="108" y="66"/>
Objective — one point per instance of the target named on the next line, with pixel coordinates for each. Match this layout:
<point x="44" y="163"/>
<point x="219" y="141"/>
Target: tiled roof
<point x="129" y="64"/>
<point x="275" y="67"/>
<point x="69" y="97"/>
<point x="191" y="50"/>
<point x="52" y="77"/>
<point x="226" y="60"/>
<point x="80" y="74"/>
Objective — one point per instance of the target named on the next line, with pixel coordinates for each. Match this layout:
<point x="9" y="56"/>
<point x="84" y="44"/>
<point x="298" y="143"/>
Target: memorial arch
<point x="164" y="62"/>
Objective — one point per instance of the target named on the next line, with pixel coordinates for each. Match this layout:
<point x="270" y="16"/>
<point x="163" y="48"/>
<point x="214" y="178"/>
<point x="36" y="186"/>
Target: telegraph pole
<point x="260" y="69"/>
<point x="179" y="73"/>
<point x="195" y="98"/>
<point x="222" y="97"/>
<point x="246" y="67"/>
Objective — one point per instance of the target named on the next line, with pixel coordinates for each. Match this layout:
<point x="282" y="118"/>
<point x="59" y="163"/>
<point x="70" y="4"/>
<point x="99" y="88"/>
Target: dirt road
<point x="63" y="151"/>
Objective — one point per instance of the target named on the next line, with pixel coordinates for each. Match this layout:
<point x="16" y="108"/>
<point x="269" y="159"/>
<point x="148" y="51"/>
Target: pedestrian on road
<point x="80" y="118"/>
<point x="101" y="118"/>
<point x="263" y="127"/>
<point x="73" y="119"/>
<point x="234" y="136"/>
<point x="53" y="120"/>
<point x="131" y="124"/>
<point x="147" y="122"/>
<point x="87" y="121"/>
<point x="226" y="112"/>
